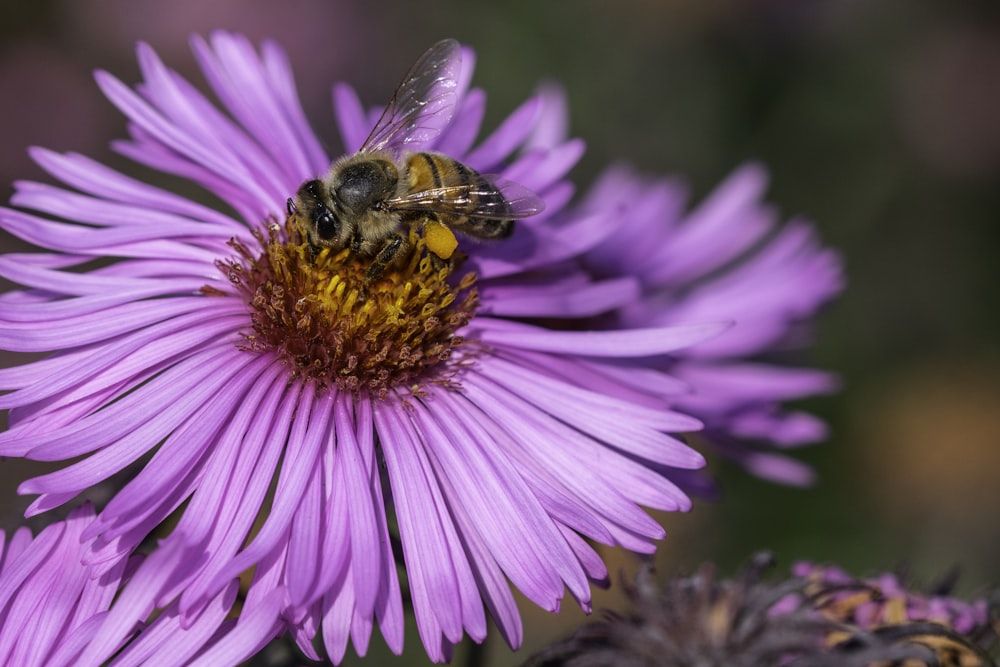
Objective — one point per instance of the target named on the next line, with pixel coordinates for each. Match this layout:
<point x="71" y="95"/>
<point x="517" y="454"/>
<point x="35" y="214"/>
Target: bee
<point x="369" y="201"/>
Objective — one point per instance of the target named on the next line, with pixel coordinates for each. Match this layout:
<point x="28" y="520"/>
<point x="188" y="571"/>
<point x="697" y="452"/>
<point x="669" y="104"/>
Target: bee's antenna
<point x="290" y="206"/>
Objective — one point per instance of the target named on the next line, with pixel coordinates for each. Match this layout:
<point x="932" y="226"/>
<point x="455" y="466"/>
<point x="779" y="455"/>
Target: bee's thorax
<point x="362" y="183"/>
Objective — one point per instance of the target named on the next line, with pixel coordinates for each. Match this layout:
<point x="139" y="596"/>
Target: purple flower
<point x="298" y="420"/>
<point x="50" y="602"/>
<point x="725" y="259"/>
<point x="60" y="606"/>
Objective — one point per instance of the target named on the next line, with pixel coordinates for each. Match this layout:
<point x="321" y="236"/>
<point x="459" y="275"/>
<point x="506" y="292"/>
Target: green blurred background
<point x="879" y="119"/>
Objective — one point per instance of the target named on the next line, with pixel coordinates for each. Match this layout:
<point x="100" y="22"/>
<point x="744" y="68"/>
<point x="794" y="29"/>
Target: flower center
<point x="330" y="326"/>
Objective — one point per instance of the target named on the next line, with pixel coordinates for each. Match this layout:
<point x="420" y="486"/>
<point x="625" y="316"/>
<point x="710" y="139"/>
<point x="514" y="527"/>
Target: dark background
<point x="879" y="119"/>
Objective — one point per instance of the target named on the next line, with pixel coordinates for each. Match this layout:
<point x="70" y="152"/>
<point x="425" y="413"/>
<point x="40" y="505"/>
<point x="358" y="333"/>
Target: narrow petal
<point x="133" y="605"/>
<point x="434" y="584"/>
<point x="245" y="490"/>
<point x="586" y="301"/>
<point x="627" y="343"/>
<point x="388" y="605"/>
<point x="527" y="424"/>
<point x="459" y="136"/>
<point x="92" y="177"/>
<point x="308" y="433"/>
<point x="512" y="133"/>
<point x="366" y="571"/>
<point x="168" y="642"/>
<point x="237" y="76"/>
<point x="257" y="625"/>
<point x="351" y="118"/>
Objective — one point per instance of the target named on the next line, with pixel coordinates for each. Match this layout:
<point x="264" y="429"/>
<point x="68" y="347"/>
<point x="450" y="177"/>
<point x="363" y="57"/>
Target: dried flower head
<point x="820" y="619"/>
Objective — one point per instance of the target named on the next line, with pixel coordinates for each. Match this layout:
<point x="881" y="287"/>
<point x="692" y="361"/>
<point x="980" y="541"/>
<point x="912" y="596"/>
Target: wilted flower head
<point x="955" y="630"/>
<point x="822" y="618"/>
<point x="697" y="621"/>
<point x="294" y="417"/>
<point x="727" y="258"/>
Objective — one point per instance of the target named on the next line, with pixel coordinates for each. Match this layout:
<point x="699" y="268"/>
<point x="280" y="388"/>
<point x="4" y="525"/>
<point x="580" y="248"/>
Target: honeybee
<point x="370" y="200"/>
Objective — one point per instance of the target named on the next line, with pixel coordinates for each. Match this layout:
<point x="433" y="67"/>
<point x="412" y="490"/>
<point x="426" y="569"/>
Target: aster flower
<point x="292" y="418"/>
<point x="55" y="603"/>
<point x="823" y="618"/>
<point x="726" y="259"/>
<point x="50" y="602"/>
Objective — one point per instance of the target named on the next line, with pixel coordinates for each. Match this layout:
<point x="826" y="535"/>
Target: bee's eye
<point x="327" y="224"/>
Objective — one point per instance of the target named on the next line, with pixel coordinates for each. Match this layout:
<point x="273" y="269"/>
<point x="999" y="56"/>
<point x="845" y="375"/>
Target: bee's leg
<point x="437" y="263"/>
<point x="290" y="207"/>
<point x="389" y="253"/>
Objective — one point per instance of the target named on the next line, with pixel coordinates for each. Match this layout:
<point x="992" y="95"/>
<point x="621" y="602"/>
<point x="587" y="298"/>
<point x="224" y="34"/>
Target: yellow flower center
<point x="316" y="311"/>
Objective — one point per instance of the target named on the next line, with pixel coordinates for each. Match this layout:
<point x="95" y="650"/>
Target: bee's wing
<point x="424" y="102"/>
<point x="491" y="197"/>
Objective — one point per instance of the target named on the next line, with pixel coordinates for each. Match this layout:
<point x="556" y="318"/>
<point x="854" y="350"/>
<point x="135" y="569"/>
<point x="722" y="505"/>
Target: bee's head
<point x="324" y="224"/>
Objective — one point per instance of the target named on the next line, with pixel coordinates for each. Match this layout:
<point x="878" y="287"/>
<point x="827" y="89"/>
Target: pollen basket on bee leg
<point x="440" y="239"/>
<point x="329" y="325"/>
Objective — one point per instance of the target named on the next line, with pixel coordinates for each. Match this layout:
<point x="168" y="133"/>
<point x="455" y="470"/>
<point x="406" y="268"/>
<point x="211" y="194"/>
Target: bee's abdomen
<point x="429" y="171"/>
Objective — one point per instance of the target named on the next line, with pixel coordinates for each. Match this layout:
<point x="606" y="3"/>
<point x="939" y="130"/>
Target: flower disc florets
<point x="315" y="309"/>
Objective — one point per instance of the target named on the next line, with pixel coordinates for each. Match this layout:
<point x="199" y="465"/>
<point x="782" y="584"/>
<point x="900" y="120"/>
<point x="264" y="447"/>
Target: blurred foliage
<point x="878" y="119"/>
